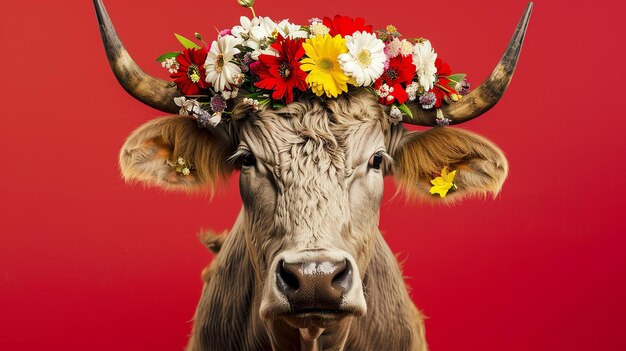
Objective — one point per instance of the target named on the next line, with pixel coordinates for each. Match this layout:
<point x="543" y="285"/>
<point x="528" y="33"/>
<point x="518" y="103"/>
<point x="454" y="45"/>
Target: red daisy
<point x="344" y="25"/>
<point x="441" y="89"/>
<point x="191" y="76"/>
<point x="401" y="72"/>
<point x="282" y="73"/>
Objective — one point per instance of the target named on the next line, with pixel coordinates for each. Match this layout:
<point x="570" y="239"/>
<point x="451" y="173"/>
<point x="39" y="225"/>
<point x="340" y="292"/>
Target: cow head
<point x="311" y="177"/>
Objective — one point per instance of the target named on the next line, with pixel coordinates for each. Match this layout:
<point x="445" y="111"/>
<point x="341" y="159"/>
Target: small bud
<point x="198" y="36"/>
<point x="246" y="3"/>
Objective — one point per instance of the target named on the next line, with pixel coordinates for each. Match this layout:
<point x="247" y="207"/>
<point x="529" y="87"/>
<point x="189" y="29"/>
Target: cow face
<point x="311" y="182"/>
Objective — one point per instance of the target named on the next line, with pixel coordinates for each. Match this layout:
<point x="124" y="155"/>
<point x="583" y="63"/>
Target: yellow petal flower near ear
<point x="443" y="183"/>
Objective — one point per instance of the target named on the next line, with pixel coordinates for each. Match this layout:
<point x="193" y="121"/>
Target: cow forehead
<point x="321" y="136"/>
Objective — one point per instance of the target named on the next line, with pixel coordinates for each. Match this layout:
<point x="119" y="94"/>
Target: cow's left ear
<point x="420" y="157"/>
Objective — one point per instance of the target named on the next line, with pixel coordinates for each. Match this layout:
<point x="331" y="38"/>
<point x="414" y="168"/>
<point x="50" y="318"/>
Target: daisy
<point x="424" y="60"/>
<point x="190" y="74"/>
<point x="282" y="74"/>
<point x="220" y="71"/>
<point x="365" y="60"/>
<point x="325" y="74"/>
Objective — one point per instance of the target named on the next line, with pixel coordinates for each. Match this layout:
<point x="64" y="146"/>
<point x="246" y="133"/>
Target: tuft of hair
<point x="481" y="166"/>
<point x="151" y="152"/>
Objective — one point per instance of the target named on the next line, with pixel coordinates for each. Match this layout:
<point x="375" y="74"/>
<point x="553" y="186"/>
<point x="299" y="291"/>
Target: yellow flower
<point x="325" y="75"/>
<point x="443" y="183"/>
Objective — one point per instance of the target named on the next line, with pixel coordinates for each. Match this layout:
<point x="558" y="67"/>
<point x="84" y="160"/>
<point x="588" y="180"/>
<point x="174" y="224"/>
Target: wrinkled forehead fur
<point x="318" y="135"/>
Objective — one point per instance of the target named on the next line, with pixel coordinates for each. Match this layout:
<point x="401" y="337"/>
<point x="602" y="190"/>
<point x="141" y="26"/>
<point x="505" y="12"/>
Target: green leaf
<point x="407" y="111"/>
<point x="276" y="105"/>
<point x="188" y="44"/>
<point x="166" y="56"/>
<point x="457" y="77"/>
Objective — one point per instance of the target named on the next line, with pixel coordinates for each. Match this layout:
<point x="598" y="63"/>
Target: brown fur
<point x="481" y="166"/>
<point x="225" y="318"/>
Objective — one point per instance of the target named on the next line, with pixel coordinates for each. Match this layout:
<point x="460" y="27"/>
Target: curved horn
<point x="485" y="96"/>
<point x="151" y="91"/>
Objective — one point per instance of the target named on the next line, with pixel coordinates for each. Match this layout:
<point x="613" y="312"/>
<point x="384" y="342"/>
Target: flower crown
<point x="269" y="63"/>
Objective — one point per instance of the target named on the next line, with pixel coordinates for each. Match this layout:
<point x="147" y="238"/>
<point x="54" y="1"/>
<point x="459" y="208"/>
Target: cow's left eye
<point x="376" y="160"/>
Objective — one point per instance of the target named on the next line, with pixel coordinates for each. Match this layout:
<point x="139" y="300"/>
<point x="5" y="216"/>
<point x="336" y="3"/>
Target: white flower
<point x="255" y="33"/>
<point x="215" y="119"/>
<point x="406" y="48"/>
<point x="384" y="90"/>
<point x="220" y="72"/>
<point x="186" y="106"/>
<point x="170" y="64"/>
<point x="365" y="60"/>
<point x="185" y="171"/>
<point x="181" y="161"/>
<point x="239" y="79"/>
<point x="251" y="102"/>
<point x="412" y="90"/>
<point x="424" y="60"/>
<point x="318" y="28"/>
<point x="395" y="115"/>
<point x="293" y="31"/>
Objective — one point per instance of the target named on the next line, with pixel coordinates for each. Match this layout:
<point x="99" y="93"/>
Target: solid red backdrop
<point x="87" y="262"/>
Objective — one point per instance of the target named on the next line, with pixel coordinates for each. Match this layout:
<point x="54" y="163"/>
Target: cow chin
<point x="313" y="290"/>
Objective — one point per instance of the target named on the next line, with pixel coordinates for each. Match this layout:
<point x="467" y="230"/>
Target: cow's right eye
<point x="248" y="160"/>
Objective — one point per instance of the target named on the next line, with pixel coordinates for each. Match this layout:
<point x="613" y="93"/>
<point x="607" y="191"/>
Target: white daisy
<point x="424" y="60"/>
<point x="220" y="71"/>
<point x="365" y="60"/>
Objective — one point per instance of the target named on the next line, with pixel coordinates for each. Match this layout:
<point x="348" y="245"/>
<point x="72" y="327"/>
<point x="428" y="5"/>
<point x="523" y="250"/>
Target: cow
<point x="305" y="266"/>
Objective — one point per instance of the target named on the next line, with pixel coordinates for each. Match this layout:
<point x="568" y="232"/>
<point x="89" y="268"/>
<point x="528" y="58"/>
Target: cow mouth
<point x="315" y="317"/>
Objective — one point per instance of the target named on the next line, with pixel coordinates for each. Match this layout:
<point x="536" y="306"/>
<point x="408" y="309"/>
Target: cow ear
<point x="173" y="153"/>
<point x="421" y="157"/>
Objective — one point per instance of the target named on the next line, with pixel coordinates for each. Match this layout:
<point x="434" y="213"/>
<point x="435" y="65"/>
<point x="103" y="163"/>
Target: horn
<point x="486" y="95"/>
<point x="154" y="92"/>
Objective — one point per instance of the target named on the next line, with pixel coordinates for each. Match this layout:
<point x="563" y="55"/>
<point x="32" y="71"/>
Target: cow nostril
<point x="343" y="277"/>
<point x="286" y="279"/>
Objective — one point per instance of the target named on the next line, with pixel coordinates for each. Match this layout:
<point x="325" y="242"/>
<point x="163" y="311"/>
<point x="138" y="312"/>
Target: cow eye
<point x="376" y="160"/>
<point x="248" y="160"/>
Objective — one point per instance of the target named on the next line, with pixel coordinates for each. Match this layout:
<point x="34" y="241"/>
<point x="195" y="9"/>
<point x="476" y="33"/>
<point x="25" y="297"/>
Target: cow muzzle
<point x="313" y="288"/>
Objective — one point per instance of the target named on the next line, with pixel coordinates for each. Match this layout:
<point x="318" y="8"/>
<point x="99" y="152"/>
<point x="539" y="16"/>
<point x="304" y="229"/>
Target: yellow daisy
<point x="325" y="74"/>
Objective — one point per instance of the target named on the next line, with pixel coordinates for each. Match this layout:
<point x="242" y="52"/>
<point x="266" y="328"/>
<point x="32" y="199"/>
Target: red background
<point x="87" y="262"/>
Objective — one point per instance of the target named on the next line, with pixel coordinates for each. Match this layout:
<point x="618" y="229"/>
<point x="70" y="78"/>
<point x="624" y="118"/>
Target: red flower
<point x="441" y="88"/>
<point x="191" y="76"/>
<point x="282" y="74"/>
<point x="345" y="25"/>
<point x="401" y="72"/>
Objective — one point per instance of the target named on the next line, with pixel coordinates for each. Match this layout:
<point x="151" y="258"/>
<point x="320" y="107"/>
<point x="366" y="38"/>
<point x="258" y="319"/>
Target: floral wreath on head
<point x="271" y="63"/>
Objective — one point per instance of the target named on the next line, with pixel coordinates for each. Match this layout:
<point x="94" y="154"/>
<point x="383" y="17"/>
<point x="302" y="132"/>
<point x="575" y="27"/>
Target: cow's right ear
<point x="174" y="153"/>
